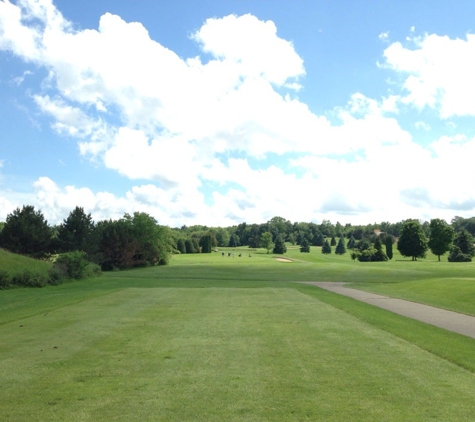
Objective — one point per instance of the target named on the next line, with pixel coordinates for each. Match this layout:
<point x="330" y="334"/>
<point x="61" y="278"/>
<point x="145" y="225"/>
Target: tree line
<point x="131" y="241"/>
<point x="138" y="239"/>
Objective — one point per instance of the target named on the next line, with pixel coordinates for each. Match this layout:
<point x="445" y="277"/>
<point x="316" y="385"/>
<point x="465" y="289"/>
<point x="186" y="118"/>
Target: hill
<point x="13" y="263"/>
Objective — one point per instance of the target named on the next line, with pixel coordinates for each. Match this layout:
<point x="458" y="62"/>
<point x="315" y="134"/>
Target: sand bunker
<point x="283" y="260"/>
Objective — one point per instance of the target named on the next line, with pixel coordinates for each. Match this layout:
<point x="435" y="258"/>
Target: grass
<point x="13" y="263"/>
<point x="214" y="338"/>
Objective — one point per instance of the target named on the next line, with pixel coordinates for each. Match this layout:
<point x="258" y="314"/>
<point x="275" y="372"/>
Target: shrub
<point x="27" y="278"/>
<point x="5" y="280"/>
<point x="56" y="277"/>
<point x="75" y="265"/>
<point x="456" y="255"/>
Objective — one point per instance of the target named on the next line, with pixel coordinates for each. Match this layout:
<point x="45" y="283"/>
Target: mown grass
<point x="217" y="338"/>
<point x="218" y="354"/>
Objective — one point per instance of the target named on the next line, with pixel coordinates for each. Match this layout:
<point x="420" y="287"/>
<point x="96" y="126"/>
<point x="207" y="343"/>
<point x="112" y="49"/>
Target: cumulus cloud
<point x="437" y="72"/>
<point x="176" y="125"/>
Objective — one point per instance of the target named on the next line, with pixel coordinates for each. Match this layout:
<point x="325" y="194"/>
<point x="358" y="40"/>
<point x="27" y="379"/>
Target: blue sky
<point x="218" y="112"/>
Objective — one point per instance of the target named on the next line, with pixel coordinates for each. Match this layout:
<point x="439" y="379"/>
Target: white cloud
<point x="252" y="45"/>
<point x="168" y="122"/>
<point x="438" y="73"/>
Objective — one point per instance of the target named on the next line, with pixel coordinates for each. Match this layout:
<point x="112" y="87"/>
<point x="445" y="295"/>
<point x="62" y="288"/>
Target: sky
<point x="218" y="112"/>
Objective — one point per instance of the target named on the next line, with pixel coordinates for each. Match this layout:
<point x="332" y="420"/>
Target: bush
<point x="75" y="265"/>
<point x="27" y="278"/>
<point x="5" y="280"/>
<point x="93" y="270"/>
<point x="55" y="276"/>
<point x="456" y="255"/>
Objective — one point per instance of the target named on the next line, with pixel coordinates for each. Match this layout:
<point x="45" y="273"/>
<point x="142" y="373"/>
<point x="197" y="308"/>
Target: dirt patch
<point x="283" y="259"/>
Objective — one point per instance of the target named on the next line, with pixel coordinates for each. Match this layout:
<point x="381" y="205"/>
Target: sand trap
<point x="283" y="260"/>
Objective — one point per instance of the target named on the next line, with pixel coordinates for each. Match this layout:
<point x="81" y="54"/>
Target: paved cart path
<point x="453" y="321"/>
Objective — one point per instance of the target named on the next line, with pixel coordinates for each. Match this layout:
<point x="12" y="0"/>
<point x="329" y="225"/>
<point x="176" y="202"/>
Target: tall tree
<point x="340" y="248"/>
<point x="266" y="241"/>
<point x="153" y="241"/>
<point x="441" y="237"/>
<point x="388" y="241"/>
<point x="26" y="231"/>
<point x="464" y="241"/>
<point x="206" y="243"/>
<point x="280" y="247"/>
<point x="75" y="231"/>
<point x="116" y="245"/>
<point x="180" y="245"/>
<point x="412" y="240"/>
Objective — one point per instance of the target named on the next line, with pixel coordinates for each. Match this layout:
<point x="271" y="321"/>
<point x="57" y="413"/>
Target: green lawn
<point x="212" y="338"/>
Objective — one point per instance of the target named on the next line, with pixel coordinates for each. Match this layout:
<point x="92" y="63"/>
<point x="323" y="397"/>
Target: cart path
<point x="452" y="321"/>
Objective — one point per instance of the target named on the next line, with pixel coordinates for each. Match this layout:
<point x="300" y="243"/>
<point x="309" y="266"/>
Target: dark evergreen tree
<point x="26" y="231"/>
<point x="318" y="239"/>
<point x="326" y="248"/>
<point x="412" y="240"/>
<point x="206" y="243"/>
<point x="305" y="246"/>
<point x="340" y="248"/>
<point x="464" y="241"/>
<point x="379" y="254"/>
<point x="75" y="231"/>
<point x="333" y="241"/>
<point x="351" y="242"/>
<point x="279" y="246"/>
<point x="389" y="246"/>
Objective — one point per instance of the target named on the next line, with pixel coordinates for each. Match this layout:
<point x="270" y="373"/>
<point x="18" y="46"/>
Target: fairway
<point x="215" y="354"/>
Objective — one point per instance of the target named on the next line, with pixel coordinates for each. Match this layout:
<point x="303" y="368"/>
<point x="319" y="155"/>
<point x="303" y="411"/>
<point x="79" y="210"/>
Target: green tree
<point x="116" y="245"/>
<point x="340" y="248"/>
<point x="412" y="240"/>
<point x="305" y="245"/>
<point x="222" y="237"/>
<point x="388" y="241"/>
<point x="326" y="248"/>
<point x="280" y="247"/>
<point x="189" y="246"/>
<point x="75" y="231"/>
<point x="292" y="239"/>
<point x="464" y="241"/>
<point x="266" y="241"/>
<point x="333" y="241"/>
<point x="26" y="232"/>
<point x="441" y="237"/>
<point x="180" y="245"/>
<point x="379" y="255"/>
<point x="318" y="239"/>
<point x="351" y="242"/>
<point x="234" y="241"/>
<point x="206" y="243"/>
<point x="154" y="242"/>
